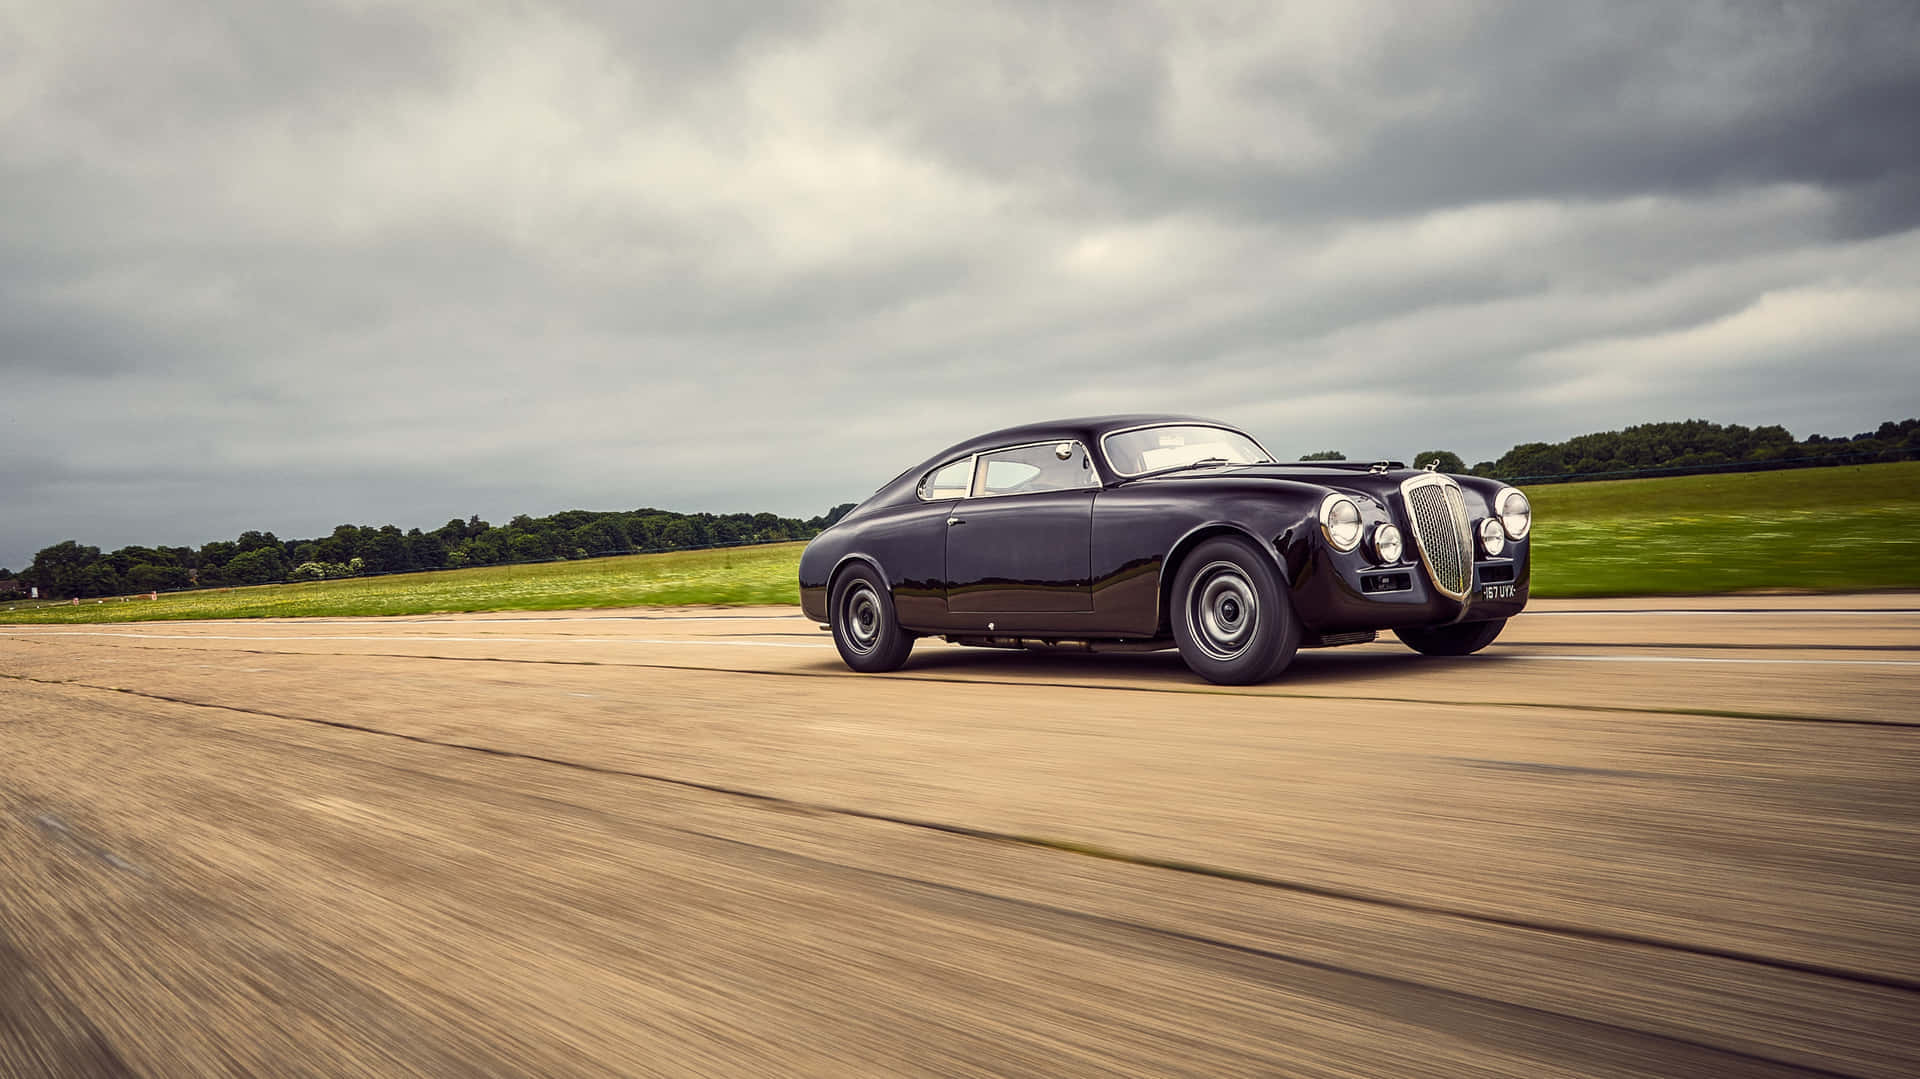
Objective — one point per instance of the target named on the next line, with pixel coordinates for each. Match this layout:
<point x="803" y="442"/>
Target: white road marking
<point x="1721" y="659"/>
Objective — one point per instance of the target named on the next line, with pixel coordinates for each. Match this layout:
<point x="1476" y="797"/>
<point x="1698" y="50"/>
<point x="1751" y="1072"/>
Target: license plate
<point x="1499" y="591"/>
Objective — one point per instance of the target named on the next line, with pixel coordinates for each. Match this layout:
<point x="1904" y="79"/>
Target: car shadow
<point x="1311" y="668"/>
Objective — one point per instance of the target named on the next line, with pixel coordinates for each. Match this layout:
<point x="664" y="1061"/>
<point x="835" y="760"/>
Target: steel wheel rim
<point x="861" y="617"/>
<point x="1224" y="611"/>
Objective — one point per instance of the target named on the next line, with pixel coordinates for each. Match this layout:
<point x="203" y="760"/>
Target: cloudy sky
<point x="286" y="265"/>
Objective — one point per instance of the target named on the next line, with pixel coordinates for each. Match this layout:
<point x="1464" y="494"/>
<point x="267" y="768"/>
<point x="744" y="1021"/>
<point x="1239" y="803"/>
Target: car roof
<point x="1087" y="429"/>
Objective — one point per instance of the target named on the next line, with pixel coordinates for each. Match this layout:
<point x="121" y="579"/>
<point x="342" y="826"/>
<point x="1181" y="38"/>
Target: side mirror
<point x="1063" y="451"/>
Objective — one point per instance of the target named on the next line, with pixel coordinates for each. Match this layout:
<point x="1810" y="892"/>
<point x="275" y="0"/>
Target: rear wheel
<point x="865" y="630"/>
<point x="1463" y="639"/>
<point x="1231" y="615"/>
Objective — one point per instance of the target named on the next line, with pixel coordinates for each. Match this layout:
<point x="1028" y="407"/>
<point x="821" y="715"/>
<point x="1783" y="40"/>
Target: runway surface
<point x="1673" y="837"/>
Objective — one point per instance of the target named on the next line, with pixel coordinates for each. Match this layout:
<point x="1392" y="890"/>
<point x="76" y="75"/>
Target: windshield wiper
<point x="1204" y="462"/>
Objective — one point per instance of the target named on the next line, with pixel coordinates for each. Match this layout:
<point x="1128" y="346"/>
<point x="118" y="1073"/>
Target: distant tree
<point x="1448" y="461"/>
<point x="530" y="547"/>
<point x="657" y="525"/>
<point x="595" y="538"/>
<point x="57" y="570"/>
<point x="384" y="549"/>
<point x="1324" y="455"/>
<point x="837" y="512"/>
<point x="145" y="577"/>
<point x="97" y="579"/>
<point x="215" y="553"/>
<point x="489" y="547"/>
<point x="254" y="541"/>
<point x="124" y="559"/>
<point x="1532" y="459"/>
<point x="425" y="550"/>
<point x="258" y="566"/>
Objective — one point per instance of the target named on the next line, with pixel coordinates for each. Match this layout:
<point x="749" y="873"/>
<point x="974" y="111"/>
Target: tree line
<point x="1676" y="447"/>
<point x="71" y="569"/>
<point x="1696" y="445"/>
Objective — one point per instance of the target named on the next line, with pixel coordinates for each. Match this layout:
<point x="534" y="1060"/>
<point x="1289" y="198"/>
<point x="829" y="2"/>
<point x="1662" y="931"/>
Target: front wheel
<point x="1463" y="639"/>
<point x="865" y="630"/>
<point x="1231" y="616"/>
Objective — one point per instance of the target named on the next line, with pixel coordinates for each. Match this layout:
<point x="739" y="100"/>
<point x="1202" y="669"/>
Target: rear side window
<point x="948" y="481"/>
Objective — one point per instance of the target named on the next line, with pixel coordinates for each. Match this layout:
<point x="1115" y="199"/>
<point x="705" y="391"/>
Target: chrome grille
<point x="1439" y="518"/>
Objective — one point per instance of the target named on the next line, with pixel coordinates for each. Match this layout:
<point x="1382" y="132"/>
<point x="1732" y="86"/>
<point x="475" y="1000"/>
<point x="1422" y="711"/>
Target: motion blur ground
<point x="1671" y="837"/>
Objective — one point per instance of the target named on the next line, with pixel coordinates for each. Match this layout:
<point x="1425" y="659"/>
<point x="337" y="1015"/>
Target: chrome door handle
<point x="951" y="521"/>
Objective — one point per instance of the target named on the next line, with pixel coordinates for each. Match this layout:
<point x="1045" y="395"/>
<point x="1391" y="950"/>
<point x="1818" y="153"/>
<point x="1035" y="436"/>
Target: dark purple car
<point x="1138" y="533"/>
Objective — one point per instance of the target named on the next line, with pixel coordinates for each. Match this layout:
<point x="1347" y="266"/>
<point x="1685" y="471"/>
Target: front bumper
<point x="1341" y="593"/>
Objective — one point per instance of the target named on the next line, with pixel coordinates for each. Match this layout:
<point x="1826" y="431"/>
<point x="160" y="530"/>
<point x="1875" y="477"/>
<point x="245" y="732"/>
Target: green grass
<point x="741" y="575"/>
<point x="1819" y="529"/>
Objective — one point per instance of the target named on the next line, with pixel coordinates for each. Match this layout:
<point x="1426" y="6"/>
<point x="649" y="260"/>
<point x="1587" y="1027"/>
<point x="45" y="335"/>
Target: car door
<point x="1022" y="539"/>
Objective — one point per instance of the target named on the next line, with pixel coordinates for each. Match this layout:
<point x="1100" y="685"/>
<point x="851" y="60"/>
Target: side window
<point x="948" y="481"/>
<point x="1027" y="469"/>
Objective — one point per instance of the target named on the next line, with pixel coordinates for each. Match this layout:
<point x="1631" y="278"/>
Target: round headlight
<point x="1493" y="538"/>
<point x="1515" y="512"/>
<point x="1386" y="544"/>
<point x="1340" y="520"/>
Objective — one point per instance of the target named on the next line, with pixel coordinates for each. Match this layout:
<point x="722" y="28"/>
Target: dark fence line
<point x="1774" y="465"/>
<point x="367" y="573"/>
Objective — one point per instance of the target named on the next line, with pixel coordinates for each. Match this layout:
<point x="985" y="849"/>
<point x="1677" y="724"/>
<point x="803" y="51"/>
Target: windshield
<point x="1150" y="449"/>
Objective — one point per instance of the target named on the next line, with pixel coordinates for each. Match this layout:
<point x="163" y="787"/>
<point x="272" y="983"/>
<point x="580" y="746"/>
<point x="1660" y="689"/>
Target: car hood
<point x="1356" y="479"/>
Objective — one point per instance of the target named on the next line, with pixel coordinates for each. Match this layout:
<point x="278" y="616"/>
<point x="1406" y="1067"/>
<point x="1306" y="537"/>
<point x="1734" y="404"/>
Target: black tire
<point x="1462" y="639"/>
<point x="865" y="630"/>
<point x="1231" y="614"/>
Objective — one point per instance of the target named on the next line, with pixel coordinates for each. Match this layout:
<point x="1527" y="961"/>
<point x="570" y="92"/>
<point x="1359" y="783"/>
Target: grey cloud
<point x="1520" y="101"/>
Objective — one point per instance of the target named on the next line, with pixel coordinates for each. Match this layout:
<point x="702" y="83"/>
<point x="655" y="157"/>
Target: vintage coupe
<point x="1138" y="533"/>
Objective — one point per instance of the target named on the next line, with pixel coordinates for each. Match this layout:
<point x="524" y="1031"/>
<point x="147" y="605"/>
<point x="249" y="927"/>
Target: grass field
<point x="739" y="575"/>
<point x="1820" y="529"/>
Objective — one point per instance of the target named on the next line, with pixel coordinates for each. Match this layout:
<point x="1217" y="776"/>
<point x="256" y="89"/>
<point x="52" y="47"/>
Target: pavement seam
<point x="1887" y="981"/>
<point x="1716" y="645"/>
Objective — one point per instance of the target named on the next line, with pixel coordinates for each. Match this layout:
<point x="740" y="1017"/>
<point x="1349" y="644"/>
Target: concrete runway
<point x="1673" y="837"/>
